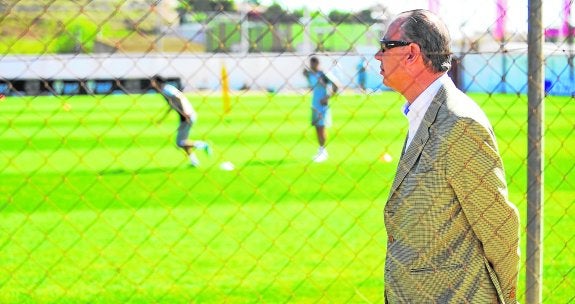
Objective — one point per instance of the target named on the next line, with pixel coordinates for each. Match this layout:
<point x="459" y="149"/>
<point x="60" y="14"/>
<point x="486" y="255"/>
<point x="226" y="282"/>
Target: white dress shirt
<point x="416" y="110"/>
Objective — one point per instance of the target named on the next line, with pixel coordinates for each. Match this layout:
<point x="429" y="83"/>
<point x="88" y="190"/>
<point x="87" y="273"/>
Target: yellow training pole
<point x="225" y="90"/>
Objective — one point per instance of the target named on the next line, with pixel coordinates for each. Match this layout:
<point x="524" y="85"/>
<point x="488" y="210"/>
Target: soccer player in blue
<point x="361" y="73"/>
<point x="179" y="103"/>
<point x="320" y="115"/>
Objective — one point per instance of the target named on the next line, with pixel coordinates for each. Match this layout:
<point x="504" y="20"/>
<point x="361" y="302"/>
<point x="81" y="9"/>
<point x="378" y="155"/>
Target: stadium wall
<point x="276" y="72"/>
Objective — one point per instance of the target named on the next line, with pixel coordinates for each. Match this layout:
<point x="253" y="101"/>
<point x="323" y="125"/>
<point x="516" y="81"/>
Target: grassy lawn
<point x="98" y="206"/>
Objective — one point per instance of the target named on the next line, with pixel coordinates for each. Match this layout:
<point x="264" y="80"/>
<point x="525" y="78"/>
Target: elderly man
<point x="453" y="236"/>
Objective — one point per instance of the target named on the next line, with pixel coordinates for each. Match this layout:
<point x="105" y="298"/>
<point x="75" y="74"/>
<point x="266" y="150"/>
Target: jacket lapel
<point x="411" y="155"/>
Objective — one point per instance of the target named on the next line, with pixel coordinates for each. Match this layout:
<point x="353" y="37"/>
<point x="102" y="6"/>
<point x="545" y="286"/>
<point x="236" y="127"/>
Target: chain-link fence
<point x="100" y="205"/>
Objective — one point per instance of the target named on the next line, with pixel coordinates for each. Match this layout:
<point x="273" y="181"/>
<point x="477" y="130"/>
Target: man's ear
<point x="414" y="53"/>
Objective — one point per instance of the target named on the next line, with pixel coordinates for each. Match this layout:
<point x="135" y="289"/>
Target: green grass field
<point x="98" y="206"/>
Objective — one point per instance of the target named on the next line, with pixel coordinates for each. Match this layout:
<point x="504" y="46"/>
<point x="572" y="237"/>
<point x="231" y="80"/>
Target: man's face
<point x="392" y="61"/>
<point x="314" y="65"/>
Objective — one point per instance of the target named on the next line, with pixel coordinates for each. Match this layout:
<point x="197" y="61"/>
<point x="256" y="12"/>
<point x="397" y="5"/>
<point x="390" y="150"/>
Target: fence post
<point x="535" y="183"/>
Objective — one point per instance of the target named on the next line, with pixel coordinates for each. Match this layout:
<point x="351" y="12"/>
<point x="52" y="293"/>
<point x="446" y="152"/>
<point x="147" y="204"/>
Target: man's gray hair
<point x="430" y="33"/>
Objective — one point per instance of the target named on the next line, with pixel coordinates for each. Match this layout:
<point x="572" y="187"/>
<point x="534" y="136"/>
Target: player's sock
<point x="194" y="161"/>
<point x="199" y="144"/>
<point x="321" y="155"/>
<point x="202" y="145"/>
<point x="208" y="149"/>
<point x="322" y="151"/>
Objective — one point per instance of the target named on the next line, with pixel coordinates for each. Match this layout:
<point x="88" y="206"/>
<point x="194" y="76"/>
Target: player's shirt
<point x="318" y="82"/>
<point x="361" y="67"/>
<point x="179" y="102"/>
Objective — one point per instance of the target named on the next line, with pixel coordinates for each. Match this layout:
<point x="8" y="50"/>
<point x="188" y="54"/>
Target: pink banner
<point x="433" y="6"/>
<point x="566" y="17"/>
<point x="500" y="23"/>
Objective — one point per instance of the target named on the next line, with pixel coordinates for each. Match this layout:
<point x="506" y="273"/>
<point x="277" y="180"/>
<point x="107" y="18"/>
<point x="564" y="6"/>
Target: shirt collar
<point x="419" y="106"/>
<point x="416" y="111"/>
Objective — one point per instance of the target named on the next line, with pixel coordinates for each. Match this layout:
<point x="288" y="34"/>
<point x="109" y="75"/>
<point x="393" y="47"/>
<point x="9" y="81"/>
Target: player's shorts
<point x="321" y="116"/>
<point x="361" y="78"/>
<point x="183" y="133"/>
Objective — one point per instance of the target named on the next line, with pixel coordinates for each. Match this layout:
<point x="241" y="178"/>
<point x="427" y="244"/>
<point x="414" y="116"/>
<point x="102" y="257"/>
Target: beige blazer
<point x="453" y="235"/>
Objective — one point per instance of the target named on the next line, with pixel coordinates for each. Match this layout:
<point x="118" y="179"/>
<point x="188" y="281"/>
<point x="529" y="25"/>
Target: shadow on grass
<point x="117" y="171"/>
<point x="269" y="162"/>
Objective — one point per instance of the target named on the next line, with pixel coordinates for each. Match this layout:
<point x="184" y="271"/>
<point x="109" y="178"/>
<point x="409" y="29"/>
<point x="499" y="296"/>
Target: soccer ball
<point x="227" y="166"/>
<point x="386" y="158"/>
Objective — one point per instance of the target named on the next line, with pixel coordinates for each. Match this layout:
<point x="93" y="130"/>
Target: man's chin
<point x="385" y="83"/>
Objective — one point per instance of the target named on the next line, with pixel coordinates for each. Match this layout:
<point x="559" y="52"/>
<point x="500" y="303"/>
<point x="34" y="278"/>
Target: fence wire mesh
<point x="98" y="204"/>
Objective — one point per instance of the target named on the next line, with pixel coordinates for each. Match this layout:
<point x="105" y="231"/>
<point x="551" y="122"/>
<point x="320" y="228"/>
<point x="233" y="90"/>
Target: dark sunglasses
<point x="390" y="44"/>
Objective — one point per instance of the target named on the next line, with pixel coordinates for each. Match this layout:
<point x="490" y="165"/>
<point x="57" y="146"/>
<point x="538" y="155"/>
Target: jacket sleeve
<point x="475" y="172"/>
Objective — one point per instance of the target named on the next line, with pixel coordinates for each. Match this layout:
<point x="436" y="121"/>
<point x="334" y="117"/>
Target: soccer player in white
<point x="188" y="116"/>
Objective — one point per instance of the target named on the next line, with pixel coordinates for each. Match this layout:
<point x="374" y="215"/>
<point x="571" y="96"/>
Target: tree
<point x="224" y="5"/>
<point x="297" y="14"/>
<point x="211" y="5"/>
<point x="182" y="9"/>
<point x="337" y="17"/>
<point x="276" y="13"/>
<point x="364" y="16"/>
<point x="78" y="36"/>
